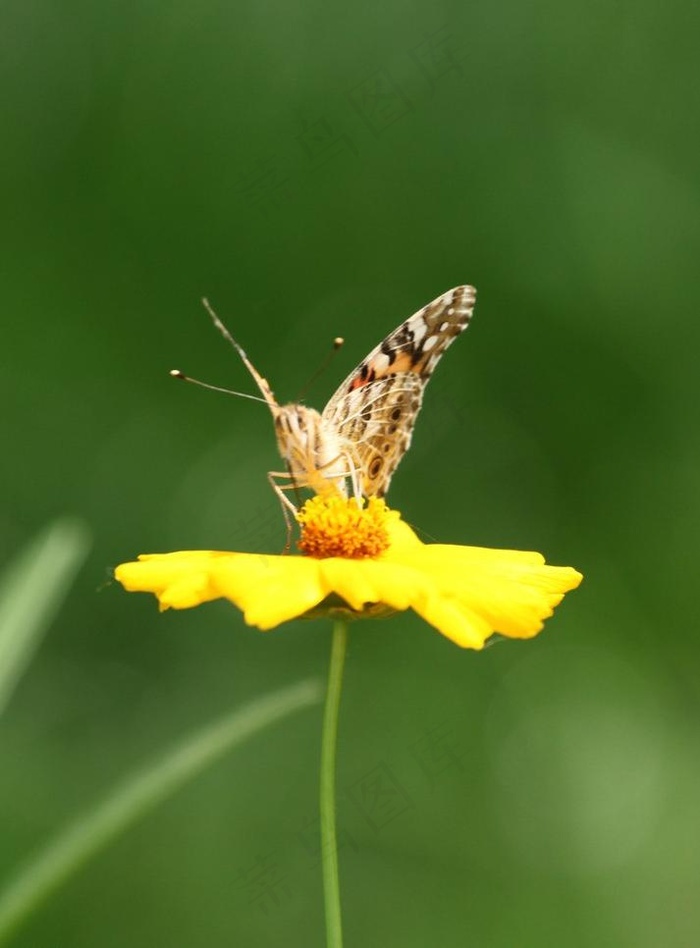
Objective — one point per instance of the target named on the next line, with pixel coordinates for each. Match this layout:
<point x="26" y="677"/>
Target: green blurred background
<point x="322" y="170"/>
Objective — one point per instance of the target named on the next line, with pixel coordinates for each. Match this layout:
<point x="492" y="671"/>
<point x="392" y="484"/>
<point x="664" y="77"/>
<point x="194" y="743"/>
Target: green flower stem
<point x="329" y="846"/>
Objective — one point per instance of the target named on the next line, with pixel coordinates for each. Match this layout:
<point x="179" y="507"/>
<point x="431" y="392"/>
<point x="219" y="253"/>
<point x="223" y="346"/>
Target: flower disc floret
<point x="339" y="526"/>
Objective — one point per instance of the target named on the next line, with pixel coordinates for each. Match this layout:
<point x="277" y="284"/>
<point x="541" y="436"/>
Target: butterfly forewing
<point x="374" y="410"/>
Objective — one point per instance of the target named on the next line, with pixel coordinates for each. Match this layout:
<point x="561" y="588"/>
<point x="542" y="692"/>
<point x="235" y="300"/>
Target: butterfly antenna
<point x="261" y="382"/>
<point x="177" y="374"/>
<point x="337" y="343"/>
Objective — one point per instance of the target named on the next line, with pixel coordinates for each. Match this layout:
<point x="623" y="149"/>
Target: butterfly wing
<point x="375" y="408"/>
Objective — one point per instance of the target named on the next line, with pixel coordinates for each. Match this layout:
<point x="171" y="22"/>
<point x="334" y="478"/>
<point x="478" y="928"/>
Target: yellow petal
<point x="179" y="580"/>
<point x="508" y="591"/>
<point x="455" y="620"/>
<point x="269" y="589"/>
<point x="368" y="581"/>
<point x="401" y="536"/>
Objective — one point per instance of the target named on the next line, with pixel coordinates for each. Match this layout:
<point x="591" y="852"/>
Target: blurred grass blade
<point x="32" y="589"/>
<point x="93" y="831"/>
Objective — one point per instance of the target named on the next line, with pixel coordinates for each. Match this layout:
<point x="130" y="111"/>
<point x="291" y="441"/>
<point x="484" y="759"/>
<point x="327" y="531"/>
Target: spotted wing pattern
<point x="374" y="410"/>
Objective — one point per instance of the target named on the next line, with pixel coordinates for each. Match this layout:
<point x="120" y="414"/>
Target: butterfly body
<point x="311" y="449"/>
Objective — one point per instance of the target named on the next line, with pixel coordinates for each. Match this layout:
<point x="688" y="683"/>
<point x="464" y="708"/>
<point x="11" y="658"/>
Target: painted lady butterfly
<point x="366" y="427"/>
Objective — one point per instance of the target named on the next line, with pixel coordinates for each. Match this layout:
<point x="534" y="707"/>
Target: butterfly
<point x="366" y="427"/>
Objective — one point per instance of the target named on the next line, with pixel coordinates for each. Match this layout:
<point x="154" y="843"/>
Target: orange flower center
<point x="338" y="526"/>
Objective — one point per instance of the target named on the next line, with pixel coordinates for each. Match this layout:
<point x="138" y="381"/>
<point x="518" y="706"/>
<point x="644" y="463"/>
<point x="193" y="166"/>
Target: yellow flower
<point x="364" y="561"/>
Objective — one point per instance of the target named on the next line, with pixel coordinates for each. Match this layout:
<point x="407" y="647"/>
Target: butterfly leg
<point x="338" y="469"/>
<point x="354" y="475"/>
<point x="349" y="470"/>
<point x="286" y="504"/>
